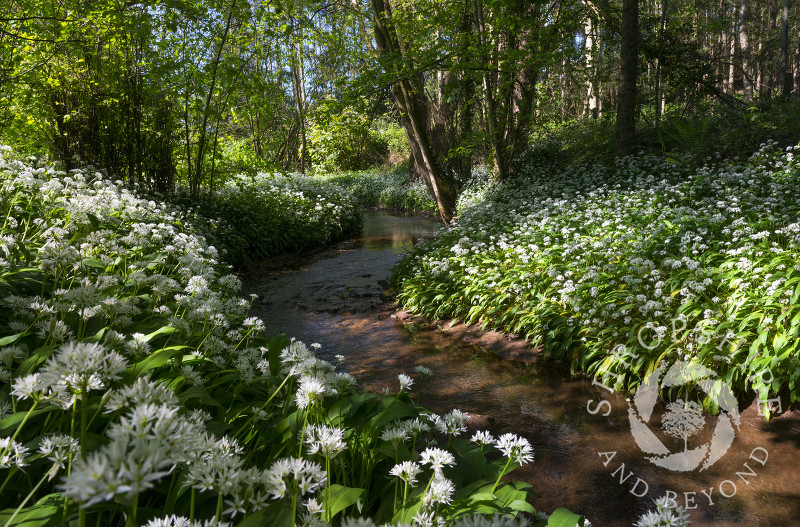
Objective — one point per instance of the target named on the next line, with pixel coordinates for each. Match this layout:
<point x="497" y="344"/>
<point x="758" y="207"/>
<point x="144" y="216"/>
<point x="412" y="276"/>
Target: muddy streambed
<point x="333" y="297"/>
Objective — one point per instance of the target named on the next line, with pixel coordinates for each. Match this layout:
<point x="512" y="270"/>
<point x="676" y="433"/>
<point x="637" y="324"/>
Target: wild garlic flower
<point x="143" y="391"/>
<point x="313" y="506"/>
<point x="666" y="514"/>
<point x="483" y="520"/>
<point x="145" y="446"/>
<point x="415" y="426"/>
<point x="325" y="440"/>
<point x="29" y="386"/>
<point x="10" y="354"/>
<point x="516" y="448"/>
<point x="394" y="434"/>
<point x="437" y="458"/>
<point x="483" y="438"/>
<point x="57" y="449"/>
<point x="12" y="454"/>
<point x="453" y="423"/>
<point x="423" y="371"/>
<point x="254" y="324"/>
<point x="407" y="471"/>
<point x="310" y="389"/>
<point x="138" y="345"/>
<point x="5" y="409"/>
<point x="424" y="518"/>
<point x="289" y="473"/>
<point x="182" y="521"/>
<point x="80" y="366"/>
<point x="440" y="492"/>
<point x="405" y="381"/>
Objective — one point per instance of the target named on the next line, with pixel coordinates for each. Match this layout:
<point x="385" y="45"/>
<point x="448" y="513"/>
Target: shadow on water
<point x="333" y="297"/>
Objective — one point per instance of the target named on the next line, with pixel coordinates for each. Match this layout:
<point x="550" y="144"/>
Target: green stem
<point x="132" y="514"/>
<point x="84" y="421"/>
<point x="328" y="489"/>
<point x="263" y="406"/>
<point x="219" y="509"/>
<point x="502" y="473"/>
<point x="16" y="432"/>
<point x="21" y="505"/>
<point x="191" y="506"/>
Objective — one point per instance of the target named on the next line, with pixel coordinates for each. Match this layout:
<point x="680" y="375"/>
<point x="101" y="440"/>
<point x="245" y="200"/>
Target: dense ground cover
<point x="701" y="264"/>
<point x="256" y="216"/>
<point x="135" y="389"/>
<point x="385" y="189"/>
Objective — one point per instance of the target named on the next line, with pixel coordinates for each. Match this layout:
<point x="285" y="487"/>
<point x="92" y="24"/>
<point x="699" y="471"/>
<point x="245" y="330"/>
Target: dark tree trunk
<point x="744" y="46"/>
<point x="784" y="73"/>
<point x="414" y="107"/>
<point x="626" y="98"/>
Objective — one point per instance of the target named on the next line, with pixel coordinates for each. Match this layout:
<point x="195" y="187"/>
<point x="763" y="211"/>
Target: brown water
<point x="333" y="297"/>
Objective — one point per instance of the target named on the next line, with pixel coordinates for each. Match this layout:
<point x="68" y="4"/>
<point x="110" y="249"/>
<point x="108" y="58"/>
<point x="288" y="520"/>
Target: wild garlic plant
<point x="701" y="265"/>
<point x="136" y="389"/>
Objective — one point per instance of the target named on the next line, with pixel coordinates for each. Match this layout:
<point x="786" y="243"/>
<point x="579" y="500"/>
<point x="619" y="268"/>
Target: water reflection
<point x="333" y="298"/>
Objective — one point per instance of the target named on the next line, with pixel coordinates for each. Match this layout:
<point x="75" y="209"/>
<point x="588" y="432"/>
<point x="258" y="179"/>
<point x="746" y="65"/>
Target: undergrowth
<point x="676" y="263"/>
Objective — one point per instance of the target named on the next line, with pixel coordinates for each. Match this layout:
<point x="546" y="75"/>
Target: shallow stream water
<point x="333" y="297"/>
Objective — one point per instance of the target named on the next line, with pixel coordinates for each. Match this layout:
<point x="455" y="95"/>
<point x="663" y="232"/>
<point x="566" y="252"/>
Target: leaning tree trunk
<point x="626" y="99"/>
<point x="413" y="104"/>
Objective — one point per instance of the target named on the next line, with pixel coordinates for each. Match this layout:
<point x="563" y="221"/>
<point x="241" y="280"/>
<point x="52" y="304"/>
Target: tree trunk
<point x="492" y="123"/>
<point x="784" y="73"/>
<point x="194" y="184"/>
<point x="591" y="68"/>
<point x="659" y="96"/>
<point x="732" y="56"/>
<point x="769" y="66"/>
<point x="744" y="46"/>
<point x="411" y="101"/>
<point x="626" y="99"/>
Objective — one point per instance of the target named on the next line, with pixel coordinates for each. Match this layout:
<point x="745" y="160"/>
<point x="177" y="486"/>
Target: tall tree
<point x="784" y="73"/>
<point x="744" y="47"/>
<point x="629" y="70"/>
<point x="409" y="93"/>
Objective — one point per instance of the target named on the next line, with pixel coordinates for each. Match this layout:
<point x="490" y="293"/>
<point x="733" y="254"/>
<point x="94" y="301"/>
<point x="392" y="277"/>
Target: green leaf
<point x="564" y="518"/>
<point x="46" y="512"/>
<point x="276" y="345"/>
<point x="278" y="514"/>
<point x="93" y="220"/>
<point x="155" y="360"/>
<point x="7" y="424"/>
<point x="10" y="339"/>
<point x="341" y="497"/>
<point x="198" y="392"/>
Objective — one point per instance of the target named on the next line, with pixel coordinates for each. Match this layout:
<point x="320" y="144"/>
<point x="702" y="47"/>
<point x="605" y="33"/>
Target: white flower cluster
<point x="666" y="514"/>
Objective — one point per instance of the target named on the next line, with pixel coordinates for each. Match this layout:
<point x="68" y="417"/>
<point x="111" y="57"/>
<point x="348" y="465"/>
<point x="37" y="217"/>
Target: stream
<point x="333" y="297"/>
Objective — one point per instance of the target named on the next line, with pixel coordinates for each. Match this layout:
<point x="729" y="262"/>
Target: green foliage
<point x="391" y="190"/>
<point x="725" y="132"/>
<point x="340" y="138"/>
<point x="254" y="217"/>
<point x="592" y="257"/>
<point x="136" y="386"/>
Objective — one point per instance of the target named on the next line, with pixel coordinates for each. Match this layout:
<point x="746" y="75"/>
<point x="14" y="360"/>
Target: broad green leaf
<point x="341" y="497"/>
<point x="46" y="512"/>
<point x="564" y="518"/>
